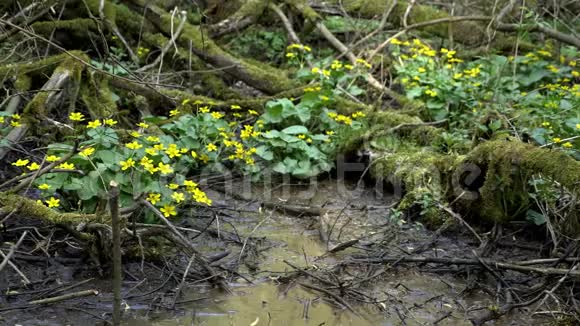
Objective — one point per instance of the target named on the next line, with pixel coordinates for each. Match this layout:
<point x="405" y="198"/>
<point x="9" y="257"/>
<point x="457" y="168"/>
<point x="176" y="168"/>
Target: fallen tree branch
<point x="465" y="261"/>
<point x="64" y="297"/>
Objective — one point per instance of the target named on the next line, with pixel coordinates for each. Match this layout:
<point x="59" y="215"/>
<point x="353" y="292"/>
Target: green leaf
<point x="294" y="130"/>
<point x="275" y="110"/>
<point x="535" y="217"/>
<point x="265" y="153"/>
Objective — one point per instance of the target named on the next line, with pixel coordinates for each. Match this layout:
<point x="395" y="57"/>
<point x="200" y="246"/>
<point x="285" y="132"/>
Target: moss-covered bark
<point x="260" y="76"/>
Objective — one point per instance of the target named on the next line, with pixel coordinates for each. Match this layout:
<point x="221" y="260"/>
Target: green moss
<point x="509" y="166"/>
<point x="30" y="208"/>
<point x="213" y="84"/>
<point x="109" y="9"/>
<point x="97" y="96"/>
<point x="37" y="107"/>
<point x="426" y="177"/>
<point x="22" y="83"/>
<point x="35" y="68"/>
<point x="303" y="7"/>
<point x="79" y="26"/>
<point x="252" y="8"/>
<point x="259" y="75"/>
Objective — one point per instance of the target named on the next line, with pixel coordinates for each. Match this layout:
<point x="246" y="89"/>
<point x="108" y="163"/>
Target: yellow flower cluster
<point x="15" y="121"/>
<point x="340" y="118"/>
<point x="312" y="89"/>
<point x="248" y="132"/>
<point x="294" y="46"/>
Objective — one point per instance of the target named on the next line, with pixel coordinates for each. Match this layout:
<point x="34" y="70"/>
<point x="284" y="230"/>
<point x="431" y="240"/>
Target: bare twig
<point x="12" y="250"/>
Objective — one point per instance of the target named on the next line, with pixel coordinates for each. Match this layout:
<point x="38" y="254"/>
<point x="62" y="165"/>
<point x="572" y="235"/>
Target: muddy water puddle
<point x="408" y="297"/>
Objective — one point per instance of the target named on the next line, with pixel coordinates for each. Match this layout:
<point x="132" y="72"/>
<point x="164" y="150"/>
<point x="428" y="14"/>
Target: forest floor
<point x="283" y="256"/>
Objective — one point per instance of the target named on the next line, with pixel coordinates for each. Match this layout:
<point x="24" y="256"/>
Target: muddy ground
<point x="283" y="275"/>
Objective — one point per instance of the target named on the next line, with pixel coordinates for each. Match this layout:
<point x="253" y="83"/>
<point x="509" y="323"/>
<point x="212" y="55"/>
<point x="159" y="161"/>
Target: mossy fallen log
<point x="260" y="76"/>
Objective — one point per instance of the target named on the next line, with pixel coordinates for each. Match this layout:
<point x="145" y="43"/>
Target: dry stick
<point x="386" y="14"/>
<point x="116" y="226"/>
<point x="252" y="232"/>
<point x="465" y="261"/>
<point x="12" y="250"/>
<point x="198" y="256"/>
<point x="15" y="268"/>
<point x="286" y="22"/>
<point x="332" y="295"/>
<point x="166" y="47"/>
<point x="534" y="27"/>
<point x="457" y="217"/>
<point x="408" y="12"/>
<point x="178" y="291"/>
<point x="67" y="296"/>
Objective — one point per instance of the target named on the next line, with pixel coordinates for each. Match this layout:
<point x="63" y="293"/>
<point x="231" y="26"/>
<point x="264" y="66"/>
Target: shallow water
<point x="418" y="298"/>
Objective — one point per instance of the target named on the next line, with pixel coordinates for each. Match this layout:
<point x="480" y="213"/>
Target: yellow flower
<point x="557" y="139"/>
<point x="66" y="166"/>
<point x="578" y="126"/>
<point x="87" y="152"/>
<point x="145" y="161"/>
<point x="33" y="166"/>
<point x="315" y="70"/>
<point x="76" y="116"/>
<point x="164" y="168"/>
<point x="237" y="115"/>
<point x="53" y="202"/>
<point x="309" y="140"/>
<point x="168" y="210"/>
<point x="217" y="115"/>
<point x="290" y="55"/>
<point x="421" y="69"/>
<point x="172" y="151"/>
<point x="545" y="124"/>
<point x="204" y="158"/>
<point x="153" y="198"/>
<point x="185" y="101"/>
<point x="324" y="98"/>
<point x="20" y="162"/>
<point x="150" y="168"/>
<point x="252" y="112"/>
<point x="457" y="75"/>
<point x="94" y="124"/>
<point x="306" y="48"/>
<point x="15" y="124"/>
<point x="152" y="139"/>
<point x="189" y="184"/>
<point x="133" y="145"/>
<point x="159" y="147"/>
<point x="200" y="197"/>
<point x="110" y="122"/>
<point x="44" y="186"/>
<point x="211" y="147"/>
<point x="363" y="62"/>
<point x="16" y="116"/>
<point x="325" y="72"/>
<point x="349" y="67"/>
<point x="173" y="113"/>
<point x="553" y="68"/>
<point x="301" y="136"/>
<point x="173" y="186"/>
<point x="178" y="197"/>
<point x="330" y="132"/>
<point x="235" y="107"/>
<point x="142" y="125"/>
<point x="204" y="109"/>
<point x="135" y="134"/>
<point x="431" y="93"/>
<point x="129" y="163"/>
<point x="1" y="119"/>
<point x="567" y="145"/>
<point x="572" y="63"/>
<point x="193" y="154"/>
<point x="358" y="114"/>
<point x="151" y="151"/>
<point x="52" y="158"/>
<point x="575" y="73"/>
